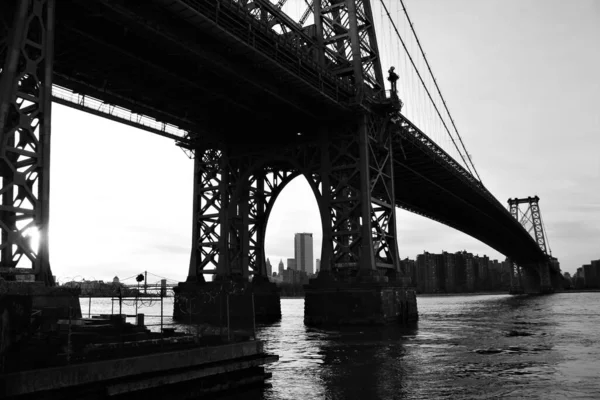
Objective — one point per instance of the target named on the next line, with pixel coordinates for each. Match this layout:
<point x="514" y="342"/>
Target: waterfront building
<point x="426" y="277"/>
<point x="295" y="277"/>
<point x="460" y="270"/>
<point x="409" y="267"/>
<point x="470" y="270"/>
<point x="578" y="281"/>
<point x="449" y="266"/>
<point x="438" y="274"/>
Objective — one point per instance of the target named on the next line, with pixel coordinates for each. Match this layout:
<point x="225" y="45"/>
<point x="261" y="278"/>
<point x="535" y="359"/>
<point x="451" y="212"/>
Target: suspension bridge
<point x="258" y="92"/>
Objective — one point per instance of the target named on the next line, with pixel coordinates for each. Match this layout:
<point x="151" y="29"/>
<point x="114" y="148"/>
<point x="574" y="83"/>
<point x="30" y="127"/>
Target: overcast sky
<point x="521" y="80"/>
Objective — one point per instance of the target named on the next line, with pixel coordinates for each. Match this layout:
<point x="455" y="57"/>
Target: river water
<point x="463" y="347"/>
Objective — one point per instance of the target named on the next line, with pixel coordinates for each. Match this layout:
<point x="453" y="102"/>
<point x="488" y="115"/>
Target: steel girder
<point x="234" y="194"/>
<point x="359" y="230"/>
<point x="26" y="51"/>
<point x="207" y="239"/>
<point x="263" y="27"/>
<point x="346" y="35"/>
<point x="264" y="187"/>
<point x="530" y="219"/>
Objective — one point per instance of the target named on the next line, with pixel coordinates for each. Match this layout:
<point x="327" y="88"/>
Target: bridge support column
<point x="26" y="57"/>
<point x="360" y="281"/>
<point x="545" y="283"/>
<point x="227" y="241"/>
<point x="516" y="280"/>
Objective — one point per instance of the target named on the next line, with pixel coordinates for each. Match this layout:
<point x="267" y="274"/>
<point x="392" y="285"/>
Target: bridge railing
<point x="410" y="132"/>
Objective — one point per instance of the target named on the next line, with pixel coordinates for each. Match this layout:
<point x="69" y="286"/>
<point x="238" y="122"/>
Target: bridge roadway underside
<point x="427" y="186"/>
<point x="217" y="79"/>
<point x="178" y="66"/>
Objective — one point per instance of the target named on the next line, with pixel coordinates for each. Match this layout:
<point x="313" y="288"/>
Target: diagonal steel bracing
<point x="531" y="219"/>
<point x="351" y="175"/>
<point x="26" y="51"/>
<point x="346" y="35"/>
<point x="349" y="166"/>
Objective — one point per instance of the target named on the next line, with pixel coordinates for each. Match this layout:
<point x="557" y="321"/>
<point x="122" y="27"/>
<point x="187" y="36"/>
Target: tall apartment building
<point x="426" y="273"/>
<point x="590" y="275"/>
<point x="460" y="270"/>
<point x="408" y="266"/>
<point x="449" y="265"/>
<point x="303" y="252"/>
<point x="483" y="273"/>
<point x="281" y="268"/>
<point x="464" y="272"/>
<point x="470" y="271"/>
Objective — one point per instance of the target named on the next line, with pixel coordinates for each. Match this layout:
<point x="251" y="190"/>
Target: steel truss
<point x="531" y="220"/>
<point x="350" y="168"/>
<point x="26" y="55"/>
<point x="350" y="172"/>
<point x="270" y="31"/>
<point x="233" y="197"/>
<point x="346" y="33"/>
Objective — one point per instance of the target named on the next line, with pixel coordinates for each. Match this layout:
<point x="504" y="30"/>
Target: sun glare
<point x="33" y="235"/>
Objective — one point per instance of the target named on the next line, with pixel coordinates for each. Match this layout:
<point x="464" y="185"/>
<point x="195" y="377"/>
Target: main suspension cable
<point x="437" y="87"/>
<point x="424" y="86"/>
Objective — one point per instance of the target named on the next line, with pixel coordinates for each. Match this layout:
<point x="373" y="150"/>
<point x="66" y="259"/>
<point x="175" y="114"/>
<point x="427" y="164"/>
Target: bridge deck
<point x="428" y="182"/>
<point x="186" y="66"/>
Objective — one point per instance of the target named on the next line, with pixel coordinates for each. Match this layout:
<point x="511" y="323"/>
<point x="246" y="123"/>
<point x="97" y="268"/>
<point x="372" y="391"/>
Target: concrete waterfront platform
<point x="207" y="369"/>
<point x="19" y="300"/>
<point x="238" y="305"/>
<point x="359" y="303"/>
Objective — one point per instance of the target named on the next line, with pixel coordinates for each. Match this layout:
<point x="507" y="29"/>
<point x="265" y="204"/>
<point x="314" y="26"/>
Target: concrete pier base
<point x="19" y="299"/>
<point x="358" y="303"/>
<point x="237" y="306"/>
<point x="267" y="301"/>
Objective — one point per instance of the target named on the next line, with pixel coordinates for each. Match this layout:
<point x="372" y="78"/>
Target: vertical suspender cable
<point x="423" y="83"/>
<point x="438" y="88"/>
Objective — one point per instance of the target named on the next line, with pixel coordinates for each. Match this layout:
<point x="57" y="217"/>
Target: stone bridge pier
<point x="535" y="278"/>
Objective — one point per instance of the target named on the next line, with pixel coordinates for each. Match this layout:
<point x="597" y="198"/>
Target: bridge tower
<point x="348" y="162"/>
<point x="349" y="166"/>
<point x="26" y="55"/>
<point x="361" y="280"/>
<point x="527" y="212"/>
<point x="26" y="61"/>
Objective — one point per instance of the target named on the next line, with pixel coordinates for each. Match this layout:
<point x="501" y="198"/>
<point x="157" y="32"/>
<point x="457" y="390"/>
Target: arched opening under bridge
<point x="294" y="210"/>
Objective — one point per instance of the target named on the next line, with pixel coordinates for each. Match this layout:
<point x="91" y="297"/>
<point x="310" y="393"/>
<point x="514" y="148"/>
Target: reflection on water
<point x="462" y="347"/>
